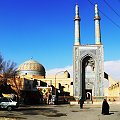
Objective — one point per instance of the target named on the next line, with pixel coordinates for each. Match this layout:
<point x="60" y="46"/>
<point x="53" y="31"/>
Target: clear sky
<point x="44" y="30"/>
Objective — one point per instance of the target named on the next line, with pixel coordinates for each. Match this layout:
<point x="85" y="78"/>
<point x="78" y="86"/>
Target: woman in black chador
<point x="81" y="103"/>
<point x="105" y="107"/>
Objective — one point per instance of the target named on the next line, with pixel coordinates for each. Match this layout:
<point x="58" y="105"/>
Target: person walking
<point x="81" y="103"/>
<point x="105" y="107"/>
<point x="49" y="97"/>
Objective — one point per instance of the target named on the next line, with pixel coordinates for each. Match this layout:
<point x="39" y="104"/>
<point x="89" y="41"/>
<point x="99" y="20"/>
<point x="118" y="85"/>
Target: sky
<point x="44" y="30"/>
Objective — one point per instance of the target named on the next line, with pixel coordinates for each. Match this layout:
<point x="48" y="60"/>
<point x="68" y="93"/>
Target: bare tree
<point x="1" y="67"/>
<point x="9" y="77"/>
<point x="16" y="85"/>
<point x="8" y="70"/>
<point x="1" y="61"/>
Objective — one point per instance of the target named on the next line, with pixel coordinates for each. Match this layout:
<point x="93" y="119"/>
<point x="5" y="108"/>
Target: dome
<point x="31" y="67"/>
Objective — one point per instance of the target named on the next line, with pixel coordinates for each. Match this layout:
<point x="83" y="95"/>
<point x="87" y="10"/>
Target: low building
<point x="112" y="92"/>
<point x="32" y="75"/>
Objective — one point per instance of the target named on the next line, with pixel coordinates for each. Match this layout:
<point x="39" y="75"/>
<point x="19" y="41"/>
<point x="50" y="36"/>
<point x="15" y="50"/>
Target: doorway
<point x="88" y="68"/>
<point x="88" y="94"/>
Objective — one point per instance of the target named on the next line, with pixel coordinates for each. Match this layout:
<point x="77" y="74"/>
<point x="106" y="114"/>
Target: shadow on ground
<point x="48" y="112"/>
<point x="84" y="109"/>
<point x="16" y="114"/>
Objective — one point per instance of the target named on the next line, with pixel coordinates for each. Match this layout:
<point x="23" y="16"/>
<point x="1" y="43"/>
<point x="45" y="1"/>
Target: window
<point x="4" y="100"/>
<point x="71" y="83"/>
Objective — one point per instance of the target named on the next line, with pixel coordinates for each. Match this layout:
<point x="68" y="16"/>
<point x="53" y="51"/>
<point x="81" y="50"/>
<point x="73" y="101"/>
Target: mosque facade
<point x="88" y="62"/>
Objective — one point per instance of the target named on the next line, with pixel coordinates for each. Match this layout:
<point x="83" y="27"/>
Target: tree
<point x="7" y="70"/>
<point x="1" y="66"/>
<point x="16" y="85"/>
<point x="9" y="80"/>
<point x="1" y="62"/>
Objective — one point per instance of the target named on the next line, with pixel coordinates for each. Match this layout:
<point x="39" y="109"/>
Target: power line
<point x="106" y="16"/>
<point x="111" y="8"/>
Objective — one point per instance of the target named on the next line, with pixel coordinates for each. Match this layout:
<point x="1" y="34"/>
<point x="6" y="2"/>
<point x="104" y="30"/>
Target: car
<point x="8" y="103"/>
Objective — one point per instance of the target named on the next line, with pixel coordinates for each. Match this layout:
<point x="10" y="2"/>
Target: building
<point x="34" y="79"/>
<point x="112" y="92"/>
<point x="88" y="60"/>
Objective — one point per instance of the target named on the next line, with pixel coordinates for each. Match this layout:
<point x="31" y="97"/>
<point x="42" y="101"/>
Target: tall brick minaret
<point x="77" y="26"/>
<point x="97" y="26"/>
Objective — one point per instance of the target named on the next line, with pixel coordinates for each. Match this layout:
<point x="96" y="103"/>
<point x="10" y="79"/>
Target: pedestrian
<point x="49" y="98"/>
<point x="81" y="102"/>
<point x="105" y="107"/>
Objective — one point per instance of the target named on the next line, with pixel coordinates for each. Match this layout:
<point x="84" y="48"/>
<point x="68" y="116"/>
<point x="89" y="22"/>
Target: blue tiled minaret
<point x="77" y="26"/>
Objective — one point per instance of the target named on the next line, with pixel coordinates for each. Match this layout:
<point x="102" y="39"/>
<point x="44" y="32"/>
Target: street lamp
<point x="56" y="97"/>
<point x="55" y="78"/>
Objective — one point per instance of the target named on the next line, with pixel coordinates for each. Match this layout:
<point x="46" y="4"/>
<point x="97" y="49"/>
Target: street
<point x="60" y="112"/>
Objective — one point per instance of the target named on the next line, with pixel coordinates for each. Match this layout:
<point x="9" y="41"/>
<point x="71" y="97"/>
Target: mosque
<point x="88" y="62"/>
<point x="88" y="71"/>
<point x="88" y="67"/>
<point x="33" y="77"/>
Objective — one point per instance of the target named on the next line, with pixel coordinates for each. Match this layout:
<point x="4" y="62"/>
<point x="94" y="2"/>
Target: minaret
<point x="97" y="26"/>
<point x="77" y="26"/>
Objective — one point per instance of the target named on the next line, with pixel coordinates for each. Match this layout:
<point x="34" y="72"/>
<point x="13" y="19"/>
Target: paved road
<point x="61" y="112"/>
